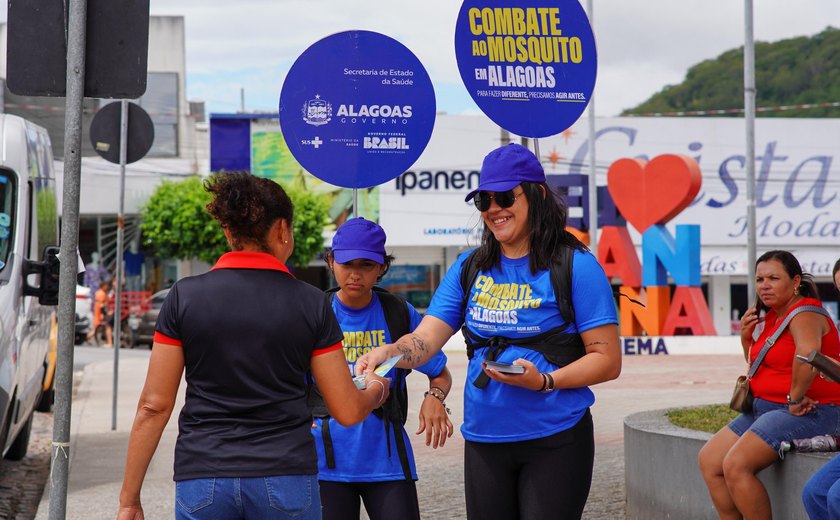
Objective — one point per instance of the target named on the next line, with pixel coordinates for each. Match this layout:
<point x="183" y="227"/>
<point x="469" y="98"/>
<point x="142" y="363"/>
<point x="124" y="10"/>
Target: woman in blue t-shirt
<point x="529" y="446"/>
<point x="373" y="461"/>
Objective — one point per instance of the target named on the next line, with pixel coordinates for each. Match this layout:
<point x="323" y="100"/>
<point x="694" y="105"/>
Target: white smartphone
<point x="505" y="368"/>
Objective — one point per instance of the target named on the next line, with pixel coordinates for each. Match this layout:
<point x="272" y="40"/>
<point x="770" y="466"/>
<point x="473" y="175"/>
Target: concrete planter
<point x="663" y="481"/>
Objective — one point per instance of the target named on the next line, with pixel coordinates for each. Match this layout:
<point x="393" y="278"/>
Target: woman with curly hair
<point x="244" y="334"/>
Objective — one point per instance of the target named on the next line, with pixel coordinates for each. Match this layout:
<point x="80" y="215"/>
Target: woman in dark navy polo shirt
<point x="245" y="334"/>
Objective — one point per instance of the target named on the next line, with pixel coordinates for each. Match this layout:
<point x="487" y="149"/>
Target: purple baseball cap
<point x="359" y="238"/>
<point x="507" y="167"/>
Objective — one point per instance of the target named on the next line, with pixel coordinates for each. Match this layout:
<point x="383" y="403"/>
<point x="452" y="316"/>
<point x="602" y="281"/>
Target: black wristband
<point x="545" y="382"/>
<point x="550" y="379"/>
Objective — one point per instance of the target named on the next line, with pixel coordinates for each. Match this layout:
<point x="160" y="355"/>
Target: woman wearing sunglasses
<point x="529" y="440"/>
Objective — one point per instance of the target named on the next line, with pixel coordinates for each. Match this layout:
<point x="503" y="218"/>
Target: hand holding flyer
<point x="381" y="370"/>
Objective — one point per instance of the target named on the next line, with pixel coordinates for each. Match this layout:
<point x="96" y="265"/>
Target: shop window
<point x="415" y="283"/>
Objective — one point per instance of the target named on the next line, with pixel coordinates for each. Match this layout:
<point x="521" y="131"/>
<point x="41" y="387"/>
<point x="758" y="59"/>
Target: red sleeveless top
<point x="772" y="379"/>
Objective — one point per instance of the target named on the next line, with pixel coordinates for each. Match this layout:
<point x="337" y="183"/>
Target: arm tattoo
<point x="412" y="348"/>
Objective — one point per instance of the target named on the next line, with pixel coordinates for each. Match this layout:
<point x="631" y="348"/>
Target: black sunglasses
<point x="504" y="199"/>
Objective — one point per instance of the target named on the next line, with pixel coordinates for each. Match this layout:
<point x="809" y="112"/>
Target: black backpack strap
<point x="329" y="451"/>
<point x="469" y="272"/>
<point x="561" y="281"/>
<point x="318" y="408"/>
<point x="393" y="413"/>
<point x="396" y="313"/>
<point x="394" y="410"/>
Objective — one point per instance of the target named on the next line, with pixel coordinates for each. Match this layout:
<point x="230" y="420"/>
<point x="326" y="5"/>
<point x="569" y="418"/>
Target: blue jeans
<point x="821" y="494"/>
<point x="773" y="423"/>
<point x="281" y="497"/>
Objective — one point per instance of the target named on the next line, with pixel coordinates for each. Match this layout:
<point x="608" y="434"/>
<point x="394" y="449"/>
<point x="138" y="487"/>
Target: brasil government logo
<point x="316" y="111"/>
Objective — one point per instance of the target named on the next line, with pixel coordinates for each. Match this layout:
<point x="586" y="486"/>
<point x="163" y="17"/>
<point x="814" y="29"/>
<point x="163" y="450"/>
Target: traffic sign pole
<point x="120" y="267"/>
<point x="77" y="14"/>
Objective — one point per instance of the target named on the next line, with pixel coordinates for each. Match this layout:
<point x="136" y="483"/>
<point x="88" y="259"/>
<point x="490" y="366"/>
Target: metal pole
<point x="355" y="212"/>
<point x="60" y="452"/>
<point x="749" y="116"/>
<point x="242" y="99"/>
<point x="504" y="138"/>
<point x="120" y="247"/>
<point x="537" y="149"/>
<point x="593" y="185"/>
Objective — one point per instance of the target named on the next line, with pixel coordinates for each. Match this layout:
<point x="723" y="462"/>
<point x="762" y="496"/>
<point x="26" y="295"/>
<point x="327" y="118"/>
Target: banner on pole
<point x="530" y="68"/>
<point x="357" y="109"/>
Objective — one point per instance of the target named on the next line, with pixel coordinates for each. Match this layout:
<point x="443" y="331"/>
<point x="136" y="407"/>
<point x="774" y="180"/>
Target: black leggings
<point x="536" y="479"/>
<point x="383" y="500"/>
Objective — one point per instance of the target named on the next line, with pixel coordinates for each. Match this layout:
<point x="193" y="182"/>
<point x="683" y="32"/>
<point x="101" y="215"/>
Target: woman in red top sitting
<point x="790" y="403"/>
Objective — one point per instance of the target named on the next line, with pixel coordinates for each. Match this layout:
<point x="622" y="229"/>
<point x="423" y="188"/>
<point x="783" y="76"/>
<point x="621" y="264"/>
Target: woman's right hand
<point x="378" y="387"/>
<point x="749" y="320"/>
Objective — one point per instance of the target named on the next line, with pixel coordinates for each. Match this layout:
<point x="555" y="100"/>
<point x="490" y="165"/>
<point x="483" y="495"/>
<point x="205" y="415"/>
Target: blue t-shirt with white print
<point x="362" y="452"/>
<point x="509" y="301"/>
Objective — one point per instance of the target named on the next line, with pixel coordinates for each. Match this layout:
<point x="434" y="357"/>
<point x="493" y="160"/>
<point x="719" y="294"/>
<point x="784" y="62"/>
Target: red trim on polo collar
<point x="250" y="260"/>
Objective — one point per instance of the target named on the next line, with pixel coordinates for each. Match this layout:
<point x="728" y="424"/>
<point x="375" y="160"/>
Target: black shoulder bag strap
<point x="778" y="332"/>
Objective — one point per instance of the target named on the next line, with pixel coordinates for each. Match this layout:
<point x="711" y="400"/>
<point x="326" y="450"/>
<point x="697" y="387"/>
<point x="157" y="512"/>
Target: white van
<point x="28" y="279"/>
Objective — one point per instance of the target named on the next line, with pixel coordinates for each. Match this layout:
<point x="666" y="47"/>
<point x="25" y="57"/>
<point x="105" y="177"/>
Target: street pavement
<point x="97" y="453"/>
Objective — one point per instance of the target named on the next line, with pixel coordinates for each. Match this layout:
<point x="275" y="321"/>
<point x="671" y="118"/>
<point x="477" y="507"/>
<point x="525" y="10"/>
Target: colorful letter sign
<point x="357" y="109"/>
<point x="649" y="194"/>
<point x="529" y="65"/>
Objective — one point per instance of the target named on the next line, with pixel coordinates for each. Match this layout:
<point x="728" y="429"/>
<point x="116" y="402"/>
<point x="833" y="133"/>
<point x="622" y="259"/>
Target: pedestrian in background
<point x="373" y="461"/>
<point x="789" y="403"/>
<point x="529" y="447"/>
<point x="103" y="316"/>
<point x="244" y="335"/>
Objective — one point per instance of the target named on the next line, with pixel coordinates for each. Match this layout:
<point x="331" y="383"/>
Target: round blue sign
<point x="530" y="68"/>
<point x="357" y="109"/>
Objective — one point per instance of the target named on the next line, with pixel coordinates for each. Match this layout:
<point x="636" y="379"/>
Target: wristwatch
<point x="791" y="402"/>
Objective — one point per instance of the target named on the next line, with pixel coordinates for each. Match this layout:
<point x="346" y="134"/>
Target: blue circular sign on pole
<point x="530" y="68"/>
<point x="357" y="109"/>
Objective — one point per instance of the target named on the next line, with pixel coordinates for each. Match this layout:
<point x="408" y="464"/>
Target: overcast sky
<point x="643" y="45"/>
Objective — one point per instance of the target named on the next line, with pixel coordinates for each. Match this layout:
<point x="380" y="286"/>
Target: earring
<point x="796" y="291"/>
<point x="285" y="241"/>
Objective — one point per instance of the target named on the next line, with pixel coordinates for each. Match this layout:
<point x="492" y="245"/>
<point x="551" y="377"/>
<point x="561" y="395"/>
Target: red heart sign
<point x="654" y="192"/>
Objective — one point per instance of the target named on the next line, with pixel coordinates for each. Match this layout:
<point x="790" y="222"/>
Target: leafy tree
<point x="801" y="70"/>
<point x="311" y="215"/>
<point x="176" y="223"/>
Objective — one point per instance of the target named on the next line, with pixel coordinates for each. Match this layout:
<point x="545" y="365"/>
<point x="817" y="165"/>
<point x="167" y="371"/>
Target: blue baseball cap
<point x="359" y="238"/>
<point x="507" y="167"/>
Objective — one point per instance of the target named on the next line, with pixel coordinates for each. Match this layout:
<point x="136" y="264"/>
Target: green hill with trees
<point x="803" y="70"/>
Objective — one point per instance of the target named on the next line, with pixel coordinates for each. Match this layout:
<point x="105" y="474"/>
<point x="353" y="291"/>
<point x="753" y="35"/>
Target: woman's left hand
<point x="435" y="422"/>
<point x="802" y="408"/>
<point x="530" y="379"/>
